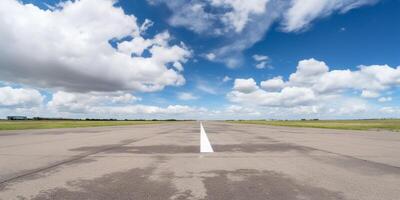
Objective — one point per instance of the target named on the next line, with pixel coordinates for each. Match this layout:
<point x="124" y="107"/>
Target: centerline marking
<point x="205" y="145"/>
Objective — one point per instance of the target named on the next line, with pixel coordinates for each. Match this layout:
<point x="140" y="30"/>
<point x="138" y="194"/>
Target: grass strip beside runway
<point x="373" y="124"/>
<point x="48" y="124"/>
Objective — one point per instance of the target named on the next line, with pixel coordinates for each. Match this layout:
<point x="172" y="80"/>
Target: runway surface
<point x="163" y="161"/>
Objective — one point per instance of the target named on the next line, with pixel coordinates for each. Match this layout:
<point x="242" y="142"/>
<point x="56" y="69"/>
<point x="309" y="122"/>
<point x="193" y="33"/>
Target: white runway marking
<point x="205" y="145"/>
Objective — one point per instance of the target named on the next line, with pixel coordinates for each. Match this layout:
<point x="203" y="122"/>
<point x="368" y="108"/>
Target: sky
<point x="200" y="59"/>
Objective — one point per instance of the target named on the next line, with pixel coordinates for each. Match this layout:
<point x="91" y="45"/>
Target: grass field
<point x="384" y="124"/>
<point x="19" y="125"/>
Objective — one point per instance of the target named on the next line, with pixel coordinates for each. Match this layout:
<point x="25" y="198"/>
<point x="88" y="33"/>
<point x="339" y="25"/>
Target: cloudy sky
<point x="200" y="59"/>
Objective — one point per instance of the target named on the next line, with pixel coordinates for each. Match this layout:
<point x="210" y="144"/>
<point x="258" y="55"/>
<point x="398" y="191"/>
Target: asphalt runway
<point x="250" y="162"/>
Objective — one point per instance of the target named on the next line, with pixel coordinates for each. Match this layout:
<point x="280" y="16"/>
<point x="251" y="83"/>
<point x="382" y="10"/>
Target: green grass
<point x="379" y="124"/>
<point x="20" y="125"/>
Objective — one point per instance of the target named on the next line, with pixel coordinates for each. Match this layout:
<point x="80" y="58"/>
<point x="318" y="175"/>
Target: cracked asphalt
<point x="162" y="161"/>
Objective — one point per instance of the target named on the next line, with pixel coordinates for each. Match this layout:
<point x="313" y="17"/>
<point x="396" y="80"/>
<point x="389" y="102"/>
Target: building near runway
<point x="17" y="117"/>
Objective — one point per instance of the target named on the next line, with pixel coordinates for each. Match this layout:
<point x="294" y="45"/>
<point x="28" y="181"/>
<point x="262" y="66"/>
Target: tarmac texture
<point x="162" y="161"/>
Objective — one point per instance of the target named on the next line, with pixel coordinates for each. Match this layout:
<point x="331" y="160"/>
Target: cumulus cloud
<point x="351" y="107"/>
<point x="244" y="22"/>
<point x="123" y="98"/>
<point x="245" y="85"/>
<point x="110" y="104"/>
<point x="308" y="72"/>
<point x="171" y="110"/>
<point x="20" y="97"/>
<point x="30" y="102"/>
<point x="84" y="102"/>
<point x="287" y="97"/>
<point x="274" y="84"/>
<point x="236" y="109"/>
<point x="68" y="47"/>
<point x="313" y="84"/>
<point x="370" y="80"/>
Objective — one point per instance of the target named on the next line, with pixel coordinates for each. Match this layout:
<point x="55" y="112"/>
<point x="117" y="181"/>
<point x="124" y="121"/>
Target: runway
<point x="163" y="161"/>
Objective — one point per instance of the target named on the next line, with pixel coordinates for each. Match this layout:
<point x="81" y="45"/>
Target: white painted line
<point x="205" y="145"/>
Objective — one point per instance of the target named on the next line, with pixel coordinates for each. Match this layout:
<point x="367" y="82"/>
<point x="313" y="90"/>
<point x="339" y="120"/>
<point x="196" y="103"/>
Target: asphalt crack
<point x="72" y="159"/>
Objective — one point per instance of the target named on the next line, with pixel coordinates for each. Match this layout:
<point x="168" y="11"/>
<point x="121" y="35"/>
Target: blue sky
<point x="201" y="59"/>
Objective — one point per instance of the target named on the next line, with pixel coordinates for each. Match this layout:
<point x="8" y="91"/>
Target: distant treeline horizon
<point x="91" y="119"/>
<point x="312" y="119"/>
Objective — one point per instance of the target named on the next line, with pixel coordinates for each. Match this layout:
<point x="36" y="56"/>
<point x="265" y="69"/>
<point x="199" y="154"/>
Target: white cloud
<point x="352" y="107"/>
<point x="261" y="65"/>
<point x="123" y="98"/>
<point x="308" y="72"/>
<point x="146" y="25"/>
<point x="236" y="109"/>
<point x="84" y="102"/>
<point x="370" y="79"/>
<point x="274" y="84"/>
<point x="172" y="110"/>
<point x="69" y="48"/>
<point x="110" y="104"/>
<point x="314" y="87"/>
<point x="191" y="15"/>
<point x="239" y="11"/>
<point x="245" y="85"/>
<point x="385" y="99"/>
<point x="390" y="110"/>
<point x="226" y="79"/>
<point x="29" y="102"/>
<point x="260" y="58"/>
<point x="210" y="56"/>
<point x="244" y="22"/>
<point x="369" y="94"/>
<point x="262" y="61"/>
<point x="288" y="97"/>
<point x="187" y="96"/>
<point x="302" y="12"/>
<point x="197" y="17"/>
<point x="20" y="97"/>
